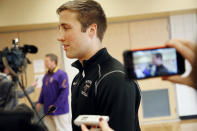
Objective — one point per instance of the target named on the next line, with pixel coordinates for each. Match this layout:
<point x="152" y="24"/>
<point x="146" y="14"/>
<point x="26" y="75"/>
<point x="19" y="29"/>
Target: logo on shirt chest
<point x="86" y="88"/>
<point x="49" y="81"/>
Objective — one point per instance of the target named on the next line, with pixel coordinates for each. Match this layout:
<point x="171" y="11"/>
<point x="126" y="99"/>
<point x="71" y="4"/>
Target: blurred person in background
<point x="54" y="93"/>
<point x="9" y="94"/>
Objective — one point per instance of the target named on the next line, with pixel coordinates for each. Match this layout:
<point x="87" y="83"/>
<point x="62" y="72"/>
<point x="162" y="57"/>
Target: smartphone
<point x="153" y="62"/>
<point x="89" y="120"/>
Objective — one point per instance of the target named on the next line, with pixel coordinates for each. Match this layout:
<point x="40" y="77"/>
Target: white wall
<point x="184" y="26"/>
<point x="30" y="12"/>
<point x="71" y="72"/>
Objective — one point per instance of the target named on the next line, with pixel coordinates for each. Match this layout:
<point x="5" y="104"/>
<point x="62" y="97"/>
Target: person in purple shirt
<point x="55" y="91"/>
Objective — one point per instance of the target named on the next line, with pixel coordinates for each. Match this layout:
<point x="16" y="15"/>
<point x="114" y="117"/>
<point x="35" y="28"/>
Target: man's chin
<point x="70" y="56"/>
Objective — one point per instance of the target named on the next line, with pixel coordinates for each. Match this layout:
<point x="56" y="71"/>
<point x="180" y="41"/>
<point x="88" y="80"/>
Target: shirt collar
<point x="54" y="71"/>
<point x="99" y="57"/>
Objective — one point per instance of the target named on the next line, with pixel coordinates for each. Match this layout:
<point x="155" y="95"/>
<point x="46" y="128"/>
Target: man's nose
<point x="60" y="36"/>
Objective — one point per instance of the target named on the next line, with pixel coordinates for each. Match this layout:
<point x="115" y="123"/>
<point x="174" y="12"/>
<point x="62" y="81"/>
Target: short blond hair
<point x="89" y="12"/>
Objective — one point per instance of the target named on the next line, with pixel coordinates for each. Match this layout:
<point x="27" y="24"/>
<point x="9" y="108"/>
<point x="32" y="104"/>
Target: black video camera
<point x="15" y="58"/>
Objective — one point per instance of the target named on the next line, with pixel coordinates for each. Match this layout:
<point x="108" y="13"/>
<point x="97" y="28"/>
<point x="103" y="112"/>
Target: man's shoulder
<point x="4" y="77"/>
<point x="111" y="68"/>
<point x="60" y="72"/>
<point x="4" y="80"/>
<point x="113" y="72"/>
<point x="115" y="82"/>
<point x="111" y="64"/>
<point x="114" y="75"/>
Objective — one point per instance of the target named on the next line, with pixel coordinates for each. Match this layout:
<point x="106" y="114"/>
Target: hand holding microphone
<point x="51" y="109"/>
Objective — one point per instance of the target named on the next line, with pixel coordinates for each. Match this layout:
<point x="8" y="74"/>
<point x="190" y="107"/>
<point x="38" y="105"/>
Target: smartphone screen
<point x="155" y="62"/>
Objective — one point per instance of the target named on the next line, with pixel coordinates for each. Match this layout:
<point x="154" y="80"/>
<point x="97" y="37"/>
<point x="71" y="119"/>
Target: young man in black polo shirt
<point x="100" y="87"/>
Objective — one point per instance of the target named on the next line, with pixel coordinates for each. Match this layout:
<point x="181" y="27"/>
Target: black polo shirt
<point x="100" y="88"/>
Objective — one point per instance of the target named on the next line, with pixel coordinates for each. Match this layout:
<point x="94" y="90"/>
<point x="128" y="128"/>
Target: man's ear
<point x="92" y="30"/>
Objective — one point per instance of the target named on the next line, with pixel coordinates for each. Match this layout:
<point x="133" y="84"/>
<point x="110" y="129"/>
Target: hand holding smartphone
<point x="153" y="62"/>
